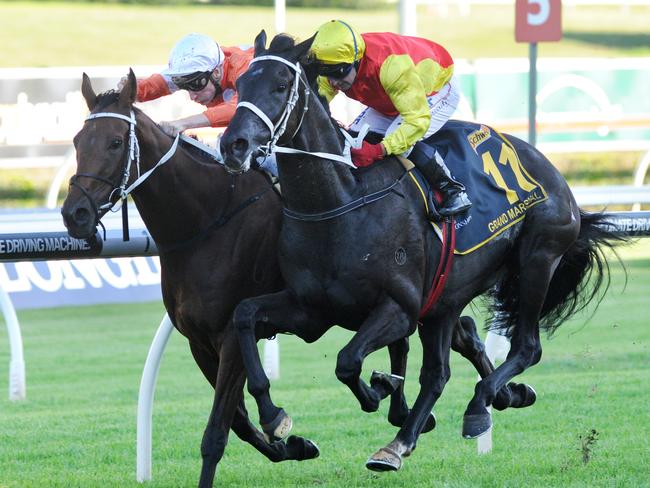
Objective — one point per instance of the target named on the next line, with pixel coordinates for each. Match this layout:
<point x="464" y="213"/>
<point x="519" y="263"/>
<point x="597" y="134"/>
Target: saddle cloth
<point x="500" y="188"/>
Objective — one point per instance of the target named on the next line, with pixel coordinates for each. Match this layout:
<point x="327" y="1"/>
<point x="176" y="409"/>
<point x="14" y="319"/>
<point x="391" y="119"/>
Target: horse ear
<point x="301" y="51"/>
<point x="129" y="90"/>
<point x="88" y="92"/>
<point x="260" y="43"/>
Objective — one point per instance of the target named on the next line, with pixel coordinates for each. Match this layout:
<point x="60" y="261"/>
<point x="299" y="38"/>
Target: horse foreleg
<point x="295" y="448"/>
<point x="266" y="316"/>
<point x="434" y="374"/>
<point x="228" y="390"/>
<point x="386" y="324"/>
<point x="399" y="410"/>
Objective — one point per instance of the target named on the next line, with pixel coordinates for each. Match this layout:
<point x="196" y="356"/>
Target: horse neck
<point x="181" y="197"/>
<point x="312" y="184"/>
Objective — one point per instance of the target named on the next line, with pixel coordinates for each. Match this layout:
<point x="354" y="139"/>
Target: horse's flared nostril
<point x="239" y="148"/>
<point x="81" y="216"/>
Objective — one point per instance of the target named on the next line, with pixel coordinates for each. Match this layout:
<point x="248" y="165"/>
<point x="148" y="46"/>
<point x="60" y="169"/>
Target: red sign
<point x="538" y="20"/>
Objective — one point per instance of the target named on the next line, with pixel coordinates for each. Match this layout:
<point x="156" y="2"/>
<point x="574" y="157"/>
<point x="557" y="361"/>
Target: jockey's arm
<point x="152" y="87"/>
<point x="174" y="127"/>
<point x="404" y="87"/>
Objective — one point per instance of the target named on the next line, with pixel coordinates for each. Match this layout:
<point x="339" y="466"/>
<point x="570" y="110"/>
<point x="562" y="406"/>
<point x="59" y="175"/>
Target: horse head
<point x="105" y="146"/>
<point x="272" y="101"/>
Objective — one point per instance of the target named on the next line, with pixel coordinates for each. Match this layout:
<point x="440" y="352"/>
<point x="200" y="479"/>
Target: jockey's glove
<point x="367" y="154"/>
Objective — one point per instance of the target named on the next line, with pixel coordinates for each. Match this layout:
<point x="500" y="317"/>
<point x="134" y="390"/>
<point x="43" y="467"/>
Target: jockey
<point x="208" y="72"/>
<point x="408" y="87"/>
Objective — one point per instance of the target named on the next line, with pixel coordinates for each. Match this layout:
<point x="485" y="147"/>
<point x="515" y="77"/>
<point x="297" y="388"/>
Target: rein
<point x="133" y="154"/>
<point x="348" y="207"/>
<point x="278" y="129"/>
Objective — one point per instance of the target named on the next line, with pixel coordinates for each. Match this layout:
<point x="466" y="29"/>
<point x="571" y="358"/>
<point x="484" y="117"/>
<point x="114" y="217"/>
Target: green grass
<point x="77" y="427"/>
<point x="77" y="34"/>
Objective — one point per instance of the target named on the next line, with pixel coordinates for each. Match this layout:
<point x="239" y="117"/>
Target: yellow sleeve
<point x="325" y="89"/>
<point x="404" y="87"/>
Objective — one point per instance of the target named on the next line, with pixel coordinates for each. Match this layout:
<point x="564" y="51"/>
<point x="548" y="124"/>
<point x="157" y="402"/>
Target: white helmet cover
<point x="194" y="52"/>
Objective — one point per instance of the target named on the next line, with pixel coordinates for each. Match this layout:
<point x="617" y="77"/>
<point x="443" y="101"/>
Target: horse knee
<point x="259" y="387"/>
<point x="213" y="446"/>
<point x="435" y="379"/>
<point x="243" y="316"/>
<point x="348" y="367"/>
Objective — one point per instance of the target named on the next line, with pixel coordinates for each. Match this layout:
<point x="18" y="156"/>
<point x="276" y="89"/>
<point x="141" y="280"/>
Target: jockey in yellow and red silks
<point x="408" y="86"/>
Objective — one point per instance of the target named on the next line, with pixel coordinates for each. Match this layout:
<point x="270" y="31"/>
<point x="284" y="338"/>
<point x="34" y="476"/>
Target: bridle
<point x="278" y="128"/>
<point x="132" y="155"/>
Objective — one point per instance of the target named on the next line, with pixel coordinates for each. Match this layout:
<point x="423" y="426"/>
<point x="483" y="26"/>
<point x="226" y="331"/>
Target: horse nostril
<point x="81" y="216"/>
<point x="239" y="147"/>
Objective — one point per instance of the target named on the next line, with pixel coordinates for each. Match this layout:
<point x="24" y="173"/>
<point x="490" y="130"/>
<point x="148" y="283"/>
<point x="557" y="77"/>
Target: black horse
<point x="370" y="269"/>
<point x="217" y="236"/>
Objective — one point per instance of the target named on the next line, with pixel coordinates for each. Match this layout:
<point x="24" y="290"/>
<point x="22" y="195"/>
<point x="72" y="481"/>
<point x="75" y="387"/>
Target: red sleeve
<point x="221" y="113"/>
<point x="151" y="88"/>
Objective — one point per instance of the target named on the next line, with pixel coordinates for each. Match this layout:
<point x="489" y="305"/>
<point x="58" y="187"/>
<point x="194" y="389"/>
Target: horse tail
<point x="582" y="275"/>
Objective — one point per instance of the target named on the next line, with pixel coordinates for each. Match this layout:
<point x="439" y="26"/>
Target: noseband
<point x="278" y="129"/>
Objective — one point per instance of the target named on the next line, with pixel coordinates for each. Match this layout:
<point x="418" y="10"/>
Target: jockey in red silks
<point x="408" y="87"/>
<point x="208" y="72"/>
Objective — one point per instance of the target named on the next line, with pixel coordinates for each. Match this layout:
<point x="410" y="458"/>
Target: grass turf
<point x="77" y="427"/>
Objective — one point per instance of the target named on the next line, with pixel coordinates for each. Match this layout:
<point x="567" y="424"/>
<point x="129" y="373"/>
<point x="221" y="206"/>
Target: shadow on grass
<point x="611" y="39"/>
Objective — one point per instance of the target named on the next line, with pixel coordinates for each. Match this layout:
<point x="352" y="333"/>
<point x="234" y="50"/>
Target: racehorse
<point x="217" y="239"/>
<point x="352" y="259"/>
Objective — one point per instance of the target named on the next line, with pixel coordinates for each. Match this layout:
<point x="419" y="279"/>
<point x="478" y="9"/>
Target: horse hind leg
<point x="467" y="343"/>
<point x="537" y="264"/>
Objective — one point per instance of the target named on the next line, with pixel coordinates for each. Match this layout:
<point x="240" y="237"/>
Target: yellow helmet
<point x="337" y="42"/>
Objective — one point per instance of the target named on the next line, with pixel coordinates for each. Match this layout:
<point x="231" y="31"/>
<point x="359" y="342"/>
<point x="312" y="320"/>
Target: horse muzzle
<point x="80" y="221"/>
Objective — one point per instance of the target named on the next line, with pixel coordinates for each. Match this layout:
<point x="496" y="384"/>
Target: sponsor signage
<point x="538" y="20"/>
<point x="81" y="282"/>
<point x="51" y="245"/>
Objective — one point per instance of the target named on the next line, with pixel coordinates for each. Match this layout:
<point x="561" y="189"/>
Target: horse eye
<point x="115" y="144"/>
<point x="282" y="87"/>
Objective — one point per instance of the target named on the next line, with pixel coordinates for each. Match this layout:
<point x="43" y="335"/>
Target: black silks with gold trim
<point x="499" y="186"/>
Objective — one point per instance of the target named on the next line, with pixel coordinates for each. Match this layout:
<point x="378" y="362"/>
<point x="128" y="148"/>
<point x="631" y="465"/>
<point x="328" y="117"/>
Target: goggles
<point x="337" y="71"/>
<point x="193" y="82"/>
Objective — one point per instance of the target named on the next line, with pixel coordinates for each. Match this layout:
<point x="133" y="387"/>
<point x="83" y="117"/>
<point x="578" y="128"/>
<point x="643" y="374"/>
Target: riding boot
<point x="433" y="168"/>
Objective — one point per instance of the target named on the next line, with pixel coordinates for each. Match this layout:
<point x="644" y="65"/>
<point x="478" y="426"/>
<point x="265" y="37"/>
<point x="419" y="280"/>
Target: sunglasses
<point x="337" y="71"/>
<point x="193" y="82"/>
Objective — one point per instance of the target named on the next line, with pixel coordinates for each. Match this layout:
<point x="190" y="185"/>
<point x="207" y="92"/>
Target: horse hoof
<point x="304" y="448"/>
<point x="528" y="395"/>
<point x="384" y="460"/>
<point x="278" y="428"/>
<point x="430" y="424"/>
<point x="384" y="383"/>
<point x="476" y="425"/>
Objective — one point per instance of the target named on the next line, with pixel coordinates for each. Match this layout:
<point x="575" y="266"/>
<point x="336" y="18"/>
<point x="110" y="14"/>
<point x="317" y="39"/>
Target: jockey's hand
<point x="368" y="154"/>
<point x="173" y="127"/>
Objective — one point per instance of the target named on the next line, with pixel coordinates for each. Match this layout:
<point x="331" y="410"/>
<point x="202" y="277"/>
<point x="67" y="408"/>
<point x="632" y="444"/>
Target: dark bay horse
<point x="341" y="267"/>
<point x="217" y="236"/>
